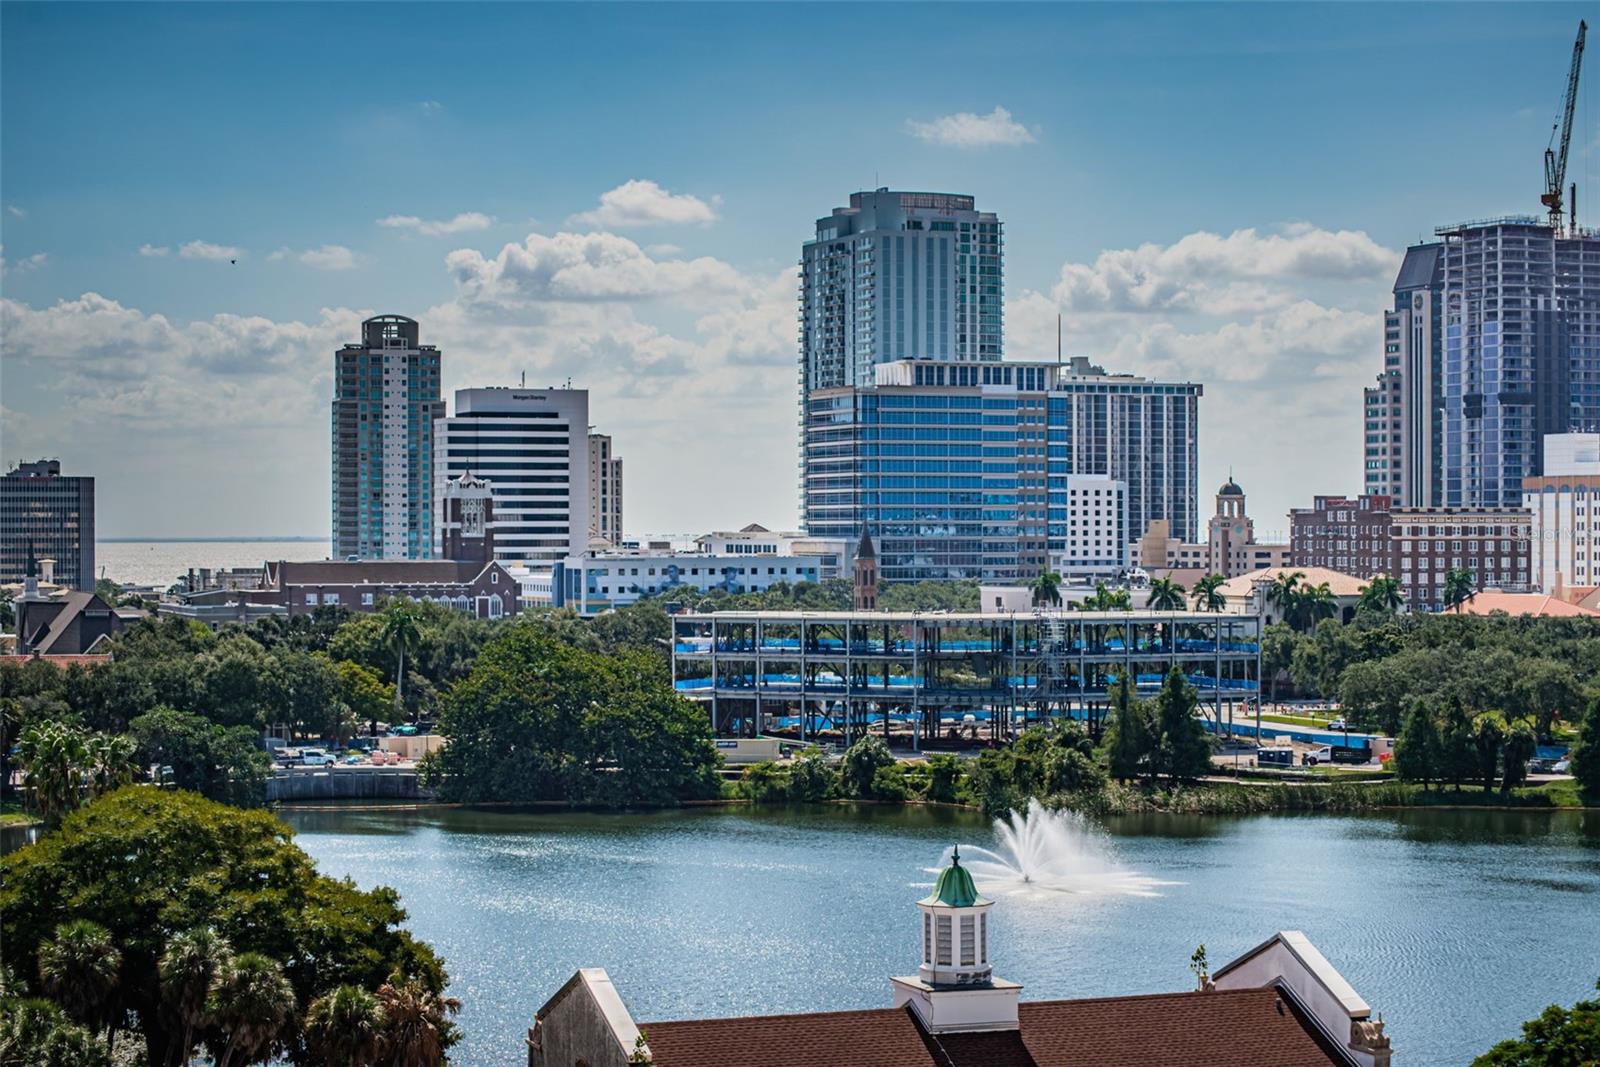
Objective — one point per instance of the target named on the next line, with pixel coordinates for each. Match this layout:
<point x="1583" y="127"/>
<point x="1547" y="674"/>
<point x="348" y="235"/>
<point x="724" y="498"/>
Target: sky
<point x="200" y="203"/>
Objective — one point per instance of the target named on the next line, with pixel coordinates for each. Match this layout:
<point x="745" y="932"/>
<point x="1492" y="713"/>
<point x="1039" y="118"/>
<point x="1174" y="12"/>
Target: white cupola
<point x="955" y="988"/>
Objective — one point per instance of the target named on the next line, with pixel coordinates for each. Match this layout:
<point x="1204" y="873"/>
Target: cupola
<point x="955" y="988"/>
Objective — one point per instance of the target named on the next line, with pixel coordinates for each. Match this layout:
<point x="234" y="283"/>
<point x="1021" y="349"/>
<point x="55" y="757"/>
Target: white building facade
<point x="1565" y="507"/>
<point x="595" y="583"/>
<point x="1096" y="542"/>
<point x="532" y="447"/>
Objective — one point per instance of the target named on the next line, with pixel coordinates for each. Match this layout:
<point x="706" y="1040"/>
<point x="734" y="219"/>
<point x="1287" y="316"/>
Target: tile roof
<point x="1225" y="1028"/>
<point x="1339" y="583"/>
<point x="1492" y="600"/>
<point x="375" y="572"/>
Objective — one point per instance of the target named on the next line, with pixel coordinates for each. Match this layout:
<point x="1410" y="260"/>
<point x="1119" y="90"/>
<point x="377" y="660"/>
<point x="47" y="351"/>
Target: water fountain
<point x="1051" y="852"/>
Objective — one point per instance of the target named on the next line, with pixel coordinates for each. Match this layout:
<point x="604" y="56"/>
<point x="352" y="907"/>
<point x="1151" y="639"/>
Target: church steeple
<point x="865" y="573"/>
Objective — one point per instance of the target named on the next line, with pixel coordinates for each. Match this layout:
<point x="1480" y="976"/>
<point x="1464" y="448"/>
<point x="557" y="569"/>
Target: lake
<point x="1456" y="925"/>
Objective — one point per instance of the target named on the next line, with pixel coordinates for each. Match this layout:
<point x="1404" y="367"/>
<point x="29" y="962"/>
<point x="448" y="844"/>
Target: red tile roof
<point x="1234" y="1028"/>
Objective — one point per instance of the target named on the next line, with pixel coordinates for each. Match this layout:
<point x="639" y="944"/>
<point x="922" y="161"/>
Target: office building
<point x="1521" y="352"/>
<point x="1404" y="423"/>
<point x="1369" y="535"/>
<point x="47" y="515"/>
<point x="605" y="490"/>
<point x="961" y="469"/>
<point x="1096" y="541"/>
<point x="1564" y="505"/>
<point x="385" y="403"/>
<point x="600" y="581"/>
<point x="1230" y="547"/>
<point x="532" y="447"/>
<point x="899" y="275"/>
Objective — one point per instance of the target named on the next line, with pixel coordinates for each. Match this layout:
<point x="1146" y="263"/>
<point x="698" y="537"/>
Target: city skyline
<point x="169" y="319"/>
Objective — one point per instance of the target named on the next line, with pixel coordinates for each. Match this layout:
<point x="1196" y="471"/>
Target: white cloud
<point x="153" y="250"/>
<point x="644" y="203"/>
<point x="206" y="250"/>
<point x="328" y="257"/>
<point x="430" y="107"/>
<point x="465" y="222"/>
<point x="967" y="130"/>
<point x="1211" y="274"/>
<point x="24" y="265"/>
<point x="585" y="267"/>
<point x="16" y="212"/>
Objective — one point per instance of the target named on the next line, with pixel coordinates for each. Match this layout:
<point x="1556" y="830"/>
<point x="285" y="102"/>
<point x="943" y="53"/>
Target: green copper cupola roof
<point x="954" y="889"/>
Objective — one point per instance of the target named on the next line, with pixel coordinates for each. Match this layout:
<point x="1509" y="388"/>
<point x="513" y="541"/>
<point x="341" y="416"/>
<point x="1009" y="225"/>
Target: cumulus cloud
<point x="967" y="130"/>
<point x="328" y="257"/>
<point x="153" y="250"/>
<point x="644" y="203"/>
<point x="1213" y="274"/>
<point x="584" y="267"/>
<point x="207" y="250"/>
<point x="465" y="222"/>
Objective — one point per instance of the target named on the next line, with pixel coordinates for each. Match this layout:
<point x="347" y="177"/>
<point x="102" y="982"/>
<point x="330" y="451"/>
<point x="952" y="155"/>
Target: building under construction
<point x="921" y="677"/>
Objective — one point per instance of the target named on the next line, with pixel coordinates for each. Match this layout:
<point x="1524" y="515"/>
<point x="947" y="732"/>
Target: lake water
<point x="1456" y="925"/>
<point x="162" y="562"/>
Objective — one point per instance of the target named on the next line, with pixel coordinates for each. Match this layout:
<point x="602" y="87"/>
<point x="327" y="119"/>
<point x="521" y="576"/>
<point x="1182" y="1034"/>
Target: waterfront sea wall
<point x="346" y="783"/>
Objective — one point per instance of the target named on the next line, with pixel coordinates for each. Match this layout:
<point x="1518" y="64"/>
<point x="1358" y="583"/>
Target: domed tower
<point x="1229" y="532"/>
<point x="954" y="988"/>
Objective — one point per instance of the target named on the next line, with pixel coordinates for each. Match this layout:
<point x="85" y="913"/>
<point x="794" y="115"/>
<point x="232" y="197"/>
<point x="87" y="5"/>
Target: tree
<point x="418" y="1028"/>
<point x="1165" y="595"/>
<point x="1546" y="690"/>
<point x="1207" y="593"/>
<point x="400" y="636"/>
<point x="190" y="966"/>
<point x="944" y="777"/>
<point x="78" y="969"/>
<point x="1382" y="594"/>
<point x="1281" y="591"/>
<point x="1520" y="746"/>
<point x="1416" y="751"/>
<point x="1488" y="734"/>
<point x="253" y="1006"/>
<point x="37" y="1033"/>
<point x="1103" y="599"/>
<point x="235" y="678"/>
<point x="1457" y="751"/>
<point x="1278" y="643"/>
<point x="1311" y="604"/>
<point x="1046" y="588"/>
<point x="346" y="1028"/>
<point x="363" y="694"/>
<point x="221" y="763"/>
<point x="63" y="765"/>
<point x="1586" y="753"/>
<point x="538" y="719"/>
<point x="305" y="691"/>
<point x="861" y="765"/>
<point x="1459" y="587"/>
<point x="1559" y="1037"/>
<point x="143" y="862"/>
<point x="1184" y="751"/>
<point x="811" y="778"/>
<point x="1130" y="734"/>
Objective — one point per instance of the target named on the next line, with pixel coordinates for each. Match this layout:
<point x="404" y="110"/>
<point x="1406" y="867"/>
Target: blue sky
<point x="1209" y="192"/>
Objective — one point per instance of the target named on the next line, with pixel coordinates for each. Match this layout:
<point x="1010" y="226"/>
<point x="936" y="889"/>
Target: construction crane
<point x="1555" y="161"/>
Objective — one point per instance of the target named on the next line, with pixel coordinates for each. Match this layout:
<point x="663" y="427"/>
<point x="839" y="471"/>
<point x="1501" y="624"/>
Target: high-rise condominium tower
<point x="1404" y="425"/>
<point x="385" y="402"/>
<point x="898" y="276"/>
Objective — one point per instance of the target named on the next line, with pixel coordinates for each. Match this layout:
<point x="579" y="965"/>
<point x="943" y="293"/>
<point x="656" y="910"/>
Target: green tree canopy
<point x="1559" y="1037"/>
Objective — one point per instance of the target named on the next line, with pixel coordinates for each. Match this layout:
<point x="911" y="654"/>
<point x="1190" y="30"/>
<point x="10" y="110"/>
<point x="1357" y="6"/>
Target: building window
<point x="311" y="599"/>
<point x="366" y="599"/>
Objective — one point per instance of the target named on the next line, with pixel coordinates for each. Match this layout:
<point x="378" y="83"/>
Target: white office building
<point x="1565" y="507"/>
<point x="595" y="583"/>
<point x="1096" y="542"/>
<point x="532" y="447"/>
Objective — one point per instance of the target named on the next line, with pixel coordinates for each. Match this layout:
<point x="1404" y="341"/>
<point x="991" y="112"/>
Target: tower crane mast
<point x="1555" y="161"/>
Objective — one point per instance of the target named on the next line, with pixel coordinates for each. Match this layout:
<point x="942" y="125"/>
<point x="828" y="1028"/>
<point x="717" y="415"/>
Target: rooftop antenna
<point x="1058" y="338"/>
<point x="524" y="384"/>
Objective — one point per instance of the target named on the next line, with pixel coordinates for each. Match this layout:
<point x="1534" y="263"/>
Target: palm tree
<point x="1382" y="594"/>
<point x="1460" y="586"/>
<point x="419" y="1027"/>
<point x="188" y="969"/>
<point x="400" y="635"/>
<point x="252" y="1004"/>
<point x="1281" y="591"/>
<point x="108" y="762"/>
<point x="78" y="969"/>
<point x="1311" y="604"/>
<point x="1208" y="593"/>
<point x="1165" y="595"/>
<point x="1046" y="588"/>
<point x="346" y="1027"/>
<point x="53" y="757"/>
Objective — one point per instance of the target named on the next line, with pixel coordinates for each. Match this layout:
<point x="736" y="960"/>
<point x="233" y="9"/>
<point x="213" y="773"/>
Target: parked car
<point x="1338" y="724"/>
<point x="1541" y="766"/>
<point x="1316" y="756"/>
<point x="315" y="757"/>
<point x="1561" y="766"/>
